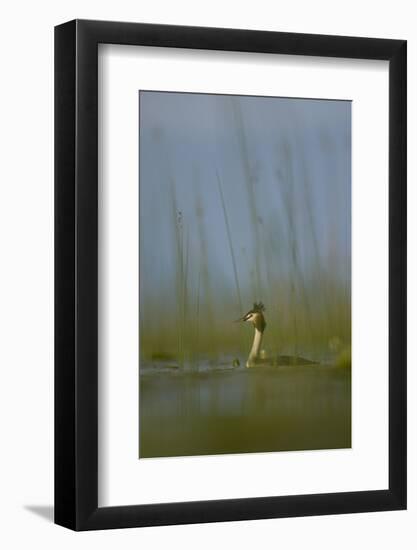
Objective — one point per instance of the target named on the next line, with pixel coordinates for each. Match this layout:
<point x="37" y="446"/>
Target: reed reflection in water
<point x="245" y="410"/>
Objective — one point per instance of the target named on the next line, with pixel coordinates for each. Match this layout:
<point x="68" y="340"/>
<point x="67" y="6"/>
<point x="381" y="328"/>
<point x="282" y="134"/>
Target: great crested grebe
<point x="256" y="356"/>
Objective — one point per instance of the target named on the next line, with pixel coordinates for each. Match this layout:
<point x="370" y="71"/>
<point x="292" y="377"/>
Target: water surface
<point x="237" y="410"/>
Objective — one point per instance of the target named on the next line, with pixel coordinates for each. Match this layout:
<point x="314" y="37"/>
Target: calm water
<point x="236" y="410"/>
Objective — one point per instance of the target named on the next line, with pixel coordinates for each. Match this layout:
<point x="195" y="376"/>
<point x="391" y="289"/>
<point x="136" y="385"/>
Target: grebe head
<point x="256" y="316"/>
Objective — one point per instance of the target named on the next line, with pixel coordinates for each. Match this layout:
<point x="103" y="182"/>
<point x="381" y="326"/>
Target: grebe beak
<point x="244" y="318"/>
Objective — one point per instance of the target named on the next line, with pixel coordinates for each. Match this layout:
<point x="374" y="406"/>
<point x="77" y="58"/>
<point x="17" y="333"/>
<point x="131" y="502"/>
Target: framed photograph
<point x="230" y="255"/>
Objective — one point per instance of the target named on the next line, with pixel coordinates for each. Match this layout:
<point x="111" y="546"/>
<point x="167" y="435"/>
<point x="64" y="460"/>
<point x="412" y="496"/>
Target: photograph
<point x="244" y="274"/>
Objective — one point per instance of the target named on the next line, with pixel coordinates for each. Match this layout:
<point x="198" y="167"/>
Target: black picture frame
<point x="76" y="274"/>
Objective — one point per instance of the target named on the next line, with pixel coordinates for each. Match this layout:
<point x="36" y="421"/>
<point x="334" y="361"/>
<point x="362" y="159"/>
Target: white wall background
<point x="26" y="274"/>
